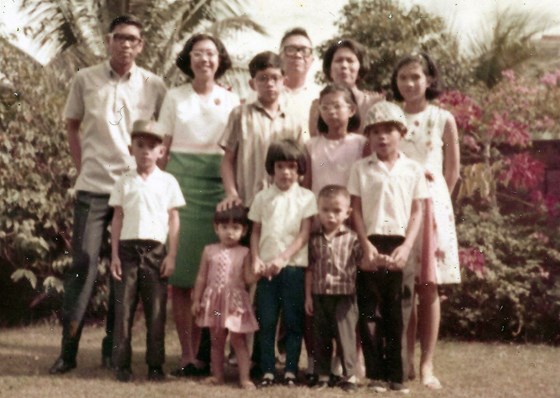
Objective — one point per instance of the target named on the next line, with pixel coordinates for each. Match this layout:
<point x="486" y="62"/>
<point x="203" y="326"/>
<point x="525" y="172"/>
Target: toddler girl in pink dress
<point x="220" y="299"/>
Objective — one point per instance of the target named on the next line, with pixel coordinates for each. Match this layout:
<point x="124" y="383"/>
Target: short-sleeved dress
<point x="225" y="302"/>
<point x="424" y="143"/>
<point x="196" y="124"/>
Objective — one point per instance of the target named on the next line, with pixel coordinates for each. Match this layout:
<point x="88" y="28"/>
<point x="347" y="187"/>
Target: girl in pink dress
<point x="220" y="299"/>
<point x="332" y="153"/>
<point x="431" y="140"/>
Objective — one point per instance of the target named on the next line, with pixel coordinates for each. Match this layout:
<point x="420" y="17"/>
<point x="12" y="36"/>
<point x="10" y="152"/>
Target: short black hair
<point x="294" y="32"/>
<point x="125" y="20"/>
<point x="285" y="150"/>
<point x="354" y="121"/>
<point x="264" y="60"/>
<point x="399" y="126"/>
<point x="428" y="67"/>
<point x="183" y="61"/>
<point x="332" y="190"/>
<point x="351" y="44"/>
<point x="235" y="214"/>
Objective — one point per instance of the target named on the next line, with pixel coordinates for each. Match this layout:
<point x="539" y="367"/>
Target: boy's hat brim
<point x="146" y="127"/>
<point x="385" y="112"/>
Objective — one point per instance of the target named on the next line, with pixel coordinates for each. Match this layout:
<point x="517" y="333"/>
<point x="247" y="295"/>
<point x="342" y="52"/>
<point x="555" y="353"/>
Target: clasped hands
<point x="372" y="259"/>
<point x="270" y="268"/>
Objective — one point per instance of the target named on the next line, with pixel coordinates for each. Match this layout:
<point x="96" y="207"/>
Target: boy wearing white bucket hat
<point x="386" y="188"/>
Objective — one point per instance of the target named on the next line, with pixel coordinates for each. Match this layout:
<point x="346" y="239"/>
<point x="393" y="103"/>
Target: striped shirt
<point x="334" y="262"/>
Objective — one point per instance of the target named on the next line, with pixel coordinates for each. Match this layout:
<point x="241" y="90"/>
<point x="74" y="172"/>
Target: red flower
<point x="473" y="260"/>
<point x="521" y="171"/>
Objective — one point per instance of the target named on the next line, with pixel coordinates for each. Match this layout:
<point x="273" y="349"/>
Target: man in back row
<point x="103" y="103"/>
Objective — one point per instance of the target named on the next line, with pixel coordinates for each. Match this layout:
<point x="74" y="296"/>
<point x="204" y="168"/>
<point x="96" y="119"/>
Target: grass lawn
<point x="465" y="370"/>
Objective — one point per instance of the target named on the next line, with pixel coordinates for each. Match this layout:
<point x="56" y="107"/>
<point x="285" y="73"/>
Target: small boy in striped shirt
<point x="330" y="286"/>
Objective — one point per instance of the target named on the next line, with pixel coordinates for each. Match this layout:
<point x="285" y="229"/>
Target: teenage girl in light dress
<point x="431" y="140"/>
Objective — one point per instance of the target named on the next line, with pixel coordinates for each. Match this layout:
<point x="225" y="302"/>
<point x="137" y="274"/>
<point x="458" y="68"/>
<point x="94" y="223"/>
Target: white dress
<point x="424" y="143"/>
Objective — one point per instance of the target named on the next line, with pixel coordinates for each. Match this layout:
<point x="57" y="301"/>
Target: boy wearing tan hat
<point x="386" y="188"/>
<point x="145" y="203"/>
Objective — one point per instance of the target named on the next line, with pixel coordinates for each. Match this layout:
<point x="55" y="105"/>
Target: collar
<point x="342" y="230"/>
<point x="281" y="106"/>
<point x="114" y="75"/>
<point x="373" y="159"/>
<point x="154" y="174"/>
<point x="278" y="191"/>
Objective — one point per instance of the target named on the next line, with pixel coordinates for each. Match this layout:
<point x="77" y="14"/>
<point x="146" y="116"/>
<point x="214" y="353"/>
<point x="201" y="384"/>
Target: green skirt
<point x="199" y="178"/>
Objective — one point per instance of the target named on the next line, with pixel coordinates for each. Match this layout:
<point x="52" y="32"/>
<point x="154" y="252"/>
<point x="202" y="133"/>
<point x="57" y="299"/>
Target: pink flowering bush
<point x="506" y="225"/>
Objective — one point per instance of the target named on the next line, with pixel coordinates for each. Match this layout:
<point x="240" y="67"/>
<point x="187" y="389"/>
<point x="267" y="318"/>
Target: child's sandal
<point x="247" y="385"/>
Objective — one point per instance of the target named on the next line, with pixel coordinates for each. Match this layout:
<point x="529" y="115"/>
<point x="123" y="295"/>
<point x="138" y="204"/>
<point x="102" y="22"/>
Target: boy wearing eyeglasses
<point x="103" y="102"/>
<point x="250" y="130"/>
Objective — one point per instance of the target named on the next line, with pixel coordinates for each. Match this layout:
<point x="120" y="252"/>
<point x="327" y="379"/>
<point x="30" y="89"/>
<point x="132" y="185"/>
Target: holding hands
<point x="372" y="259"/>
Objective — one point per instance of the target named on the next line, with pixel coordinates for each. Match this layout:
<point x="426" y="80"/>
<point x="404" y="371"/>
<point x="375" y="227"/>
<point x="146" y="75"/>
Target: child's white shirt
<point x="280" y="214"/>
<point x="146" y="204"/>
<point x="387" y="195"/>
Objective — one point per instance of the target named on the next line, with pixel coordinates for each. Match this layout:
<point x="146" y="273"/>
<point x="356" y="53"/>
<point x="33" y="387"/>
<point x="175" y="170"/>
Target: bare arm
<point x="116" y="228"/>
<point x="313" y="118"/>
<point x="168" y="265"/>
<point x="370" y="252"/>
<point x="249" y="275"/>
<point x="74" y="142"/>
<point x="200" y="283"/>
<point x="451" y="154"/>
<point x="257" y="263"/>
<point x="401" y="253"/>
<point x="162" y="162"/>
<point x="228" y="179"/>
<point x="308" y="291"/>
<point x="307" y="177"/>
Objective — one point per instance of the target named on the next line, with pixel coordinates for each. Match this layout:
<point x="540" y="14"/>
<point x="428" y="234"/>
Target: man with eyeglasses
<point x="103" y="103"/>
<point x="296" y="53"/>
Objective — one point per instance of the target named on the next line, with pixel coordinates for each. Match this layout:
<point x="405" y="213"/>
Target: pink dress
<point x="331" y="160"/>
<point x="225" y="302"/>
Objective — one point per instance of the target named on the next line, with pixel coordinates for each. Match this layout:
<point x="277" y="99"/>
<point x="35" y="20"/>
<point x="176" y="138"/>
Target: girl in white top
<point x="330" y="154"/>
<point x="431" y="140"/>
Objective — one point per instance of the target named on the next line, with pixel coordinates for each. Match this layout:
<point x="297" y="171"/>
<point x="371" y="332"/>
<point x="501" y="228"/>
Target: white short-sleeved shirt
<point x="146" y="204"/>
<point x="107" y="105"/>
<point x="196" y="123"/>
<point x="280" y="214"/>
<point x="387" y="195"/>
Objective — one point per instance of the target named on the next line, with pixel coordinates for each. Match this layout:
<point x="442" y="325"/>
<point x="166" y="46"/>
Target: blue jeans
<point x="283" y="292"/>
<point x="92" y="215"/>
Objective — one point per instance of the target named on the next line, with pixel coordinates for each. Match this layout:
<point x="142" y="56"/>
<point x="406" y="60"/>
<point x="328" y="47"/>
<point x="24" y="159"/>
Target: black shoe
<point x="202" y="372"/>
<point x="266" y="382"/>
<point x="289" y="381"/>
<point x="123" y="374"/>
<point x="311" y="379"/>
<point x="60" y="366"/>
<point x="106" y="362"/>
<point x="155" y="373"/>
<point x="255" y="372"/>
<point x="334" y="380"/>
<point x="321" y="385"/>
<point x="399" y="387"/>
<point x="347" y="386"/>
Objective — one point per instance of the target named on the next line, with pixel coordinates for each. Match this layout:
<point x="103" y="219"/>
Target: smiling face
<point x="384" y="139"/>
<point x="296" y="55"/>
<point x="412" y="82"/>
<point x="204" y="59"/>
<point x="229" y="233"/>
<point x="285" y="174"/>
<point x="345" y="67"/>
<point x="124" y="44"/>
<point x="333" y="211"/>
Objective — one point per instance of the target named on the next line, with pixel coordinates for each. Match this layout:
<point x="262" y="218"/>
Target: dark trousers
<point x="385" y="303"/>
<point x="285" y="292"/>
<point x="92" y="215"/>
<point x="334" y="317"/>
<point x="140" y="263"/>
